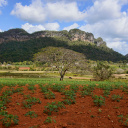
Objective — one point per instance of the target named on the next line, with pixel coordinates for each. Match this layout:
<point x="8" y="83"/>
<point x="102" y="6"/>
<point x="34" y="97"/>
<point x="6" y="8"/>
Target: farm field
<point x="34" y="103"/>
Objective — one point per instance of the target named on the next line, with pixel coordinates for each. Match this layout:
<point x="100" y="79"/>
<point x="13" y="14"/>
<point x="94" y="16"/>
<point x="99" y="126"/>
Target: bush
<point x="102" y="71"/>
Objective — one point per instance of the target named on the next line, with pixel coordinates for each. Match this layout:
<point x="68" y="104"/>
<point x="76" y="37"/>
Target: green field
<point x="50" y="81"/>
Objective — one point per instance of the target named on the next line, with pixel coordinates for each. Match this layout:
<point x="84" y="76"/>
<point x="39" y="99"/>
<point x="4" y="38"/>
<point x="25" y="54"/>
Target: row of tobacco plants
<point x="67" y="89"/>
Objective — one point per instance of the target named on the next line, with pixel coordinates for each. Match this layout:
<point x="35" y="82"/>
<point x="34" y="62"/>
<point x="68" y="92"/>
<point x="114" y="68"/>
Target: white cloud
<point x="1" y="30"/>
<point x="52" y="26"/>
<point x="105" y="19"/>
<point x="75" y="25"/>
<point x="2" y="3"/>
<point x="116" y="28"/>
<point x="102" y="10"/>
<point x="31" y="28"/>
<point x="32" y="13"/>
<point x="63" y="11"/>
<point x="121" y="47"/>
<point x="39" y="12"/>
<point x="64" y="0"/>
<point x="122" y="2"/>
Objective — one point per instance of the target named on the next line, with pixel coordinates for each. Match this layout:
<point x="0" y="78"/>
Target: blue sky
<point x="104" y="18"/>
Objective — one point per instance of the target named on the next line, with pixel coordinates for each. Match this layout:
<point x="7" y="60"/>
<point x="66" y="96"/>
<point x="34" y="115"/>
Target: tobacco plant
<point x="32" y="114"/>
<point x="124" y="120"/>
<point x="44" y="89"/>
<point x="85" y="93"/>
<point x="53" y="107"/>
<point x="57" y="88"/>
<point x="9" y="119"/>
<point x="69" y="97"/>
<point x="31" y="87"/>
<point x="30" y="101"/>
<point x="49" y="95"/>
<point x="18" y="90"/>
<point x="5" y="99"/>
<point x="106" y="93"/>
<point x="49" y="120"/>
<point x="98" y="100"/>
<point x="116" y="97"/>
<point x="75" y="88"/>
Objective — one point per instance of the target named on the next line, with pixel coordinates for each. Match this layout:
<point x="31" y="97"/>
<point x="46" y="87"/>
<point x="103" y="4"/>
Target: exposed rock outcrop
<point x="77" y="34"/>
<point x="73" y="35"/>
<point x="14" y="34"/>
<point x="99" y="42"/>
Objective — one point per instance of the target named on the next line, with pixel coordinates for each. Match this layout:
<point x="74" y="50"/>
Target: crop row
<point x="69" y="93"/>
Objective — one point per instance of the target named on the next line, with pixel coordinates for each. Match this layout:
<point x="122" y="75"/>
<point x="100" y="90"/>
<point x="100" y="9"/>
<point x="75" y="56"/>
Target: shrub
<point x="102" y="71"/>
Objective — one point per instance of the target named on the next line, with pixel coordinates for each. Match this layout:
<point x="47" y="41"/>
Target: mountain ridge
<point x="18" y="45"/>
<point x="72" y="35"/>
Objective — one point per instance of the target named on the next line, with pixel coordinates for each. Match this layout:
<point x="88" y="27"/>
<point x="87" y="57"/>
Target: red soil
<point x="82" y="114"/>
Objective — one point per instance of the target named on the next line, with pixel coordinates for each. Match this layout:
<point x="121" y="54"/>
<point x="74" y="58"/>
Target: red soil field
<point x="83" y="114"/>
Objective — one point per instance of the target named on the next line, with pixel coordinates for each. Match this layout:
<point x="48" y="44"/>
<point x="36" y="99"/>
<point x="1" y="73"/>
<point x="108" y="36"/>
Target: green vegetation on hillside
<point x="13" y="32"/>
<point x="16" y="51"/>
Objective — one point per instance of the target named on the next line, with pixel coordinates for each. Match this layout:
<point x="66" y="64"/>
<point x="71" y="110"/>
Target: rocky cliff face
<point x="73" y="35"/>
<point x="14" y="34"/>
<point x="77" y="34"/>
<point x="99" y="42"/>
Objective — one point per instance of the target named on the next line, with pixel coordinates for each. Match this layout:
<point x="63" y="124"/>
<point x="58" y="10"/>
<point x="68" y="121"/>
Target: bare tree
<point x="63" y="59"/>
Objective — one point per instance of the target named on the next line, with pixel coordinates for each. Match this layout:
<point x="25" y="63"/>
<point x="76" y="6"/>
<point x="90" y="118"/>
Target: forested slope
<point x="15" y="51"/>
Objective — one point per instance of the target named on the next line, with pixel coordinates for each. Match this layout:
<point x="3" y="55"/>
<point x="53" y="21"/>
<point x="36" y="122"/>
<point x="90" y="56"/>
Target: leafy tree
<point x="63" y="59"/>
<point x="102" y="71"/>
<point x="124" y="63"/>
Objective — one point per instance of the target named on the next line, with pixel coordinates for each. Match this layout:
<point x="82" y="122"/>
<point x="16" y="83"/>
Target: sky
<point x="104" y="18"/>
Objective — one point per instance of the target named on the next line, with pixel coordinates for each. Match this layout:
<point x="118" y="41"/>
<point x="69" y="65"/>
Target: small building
<point x="24" y="68"/>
